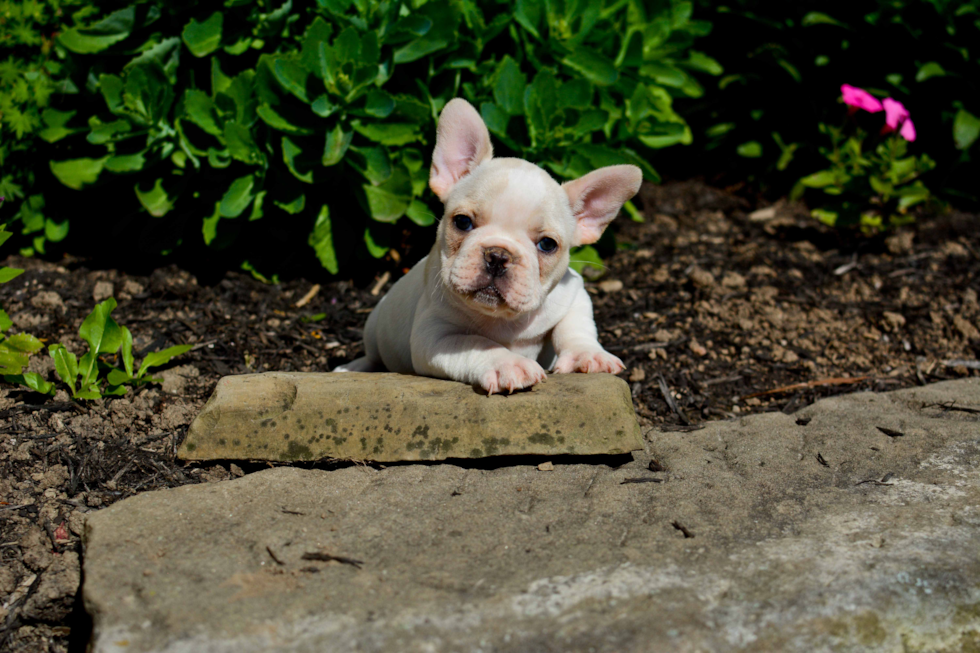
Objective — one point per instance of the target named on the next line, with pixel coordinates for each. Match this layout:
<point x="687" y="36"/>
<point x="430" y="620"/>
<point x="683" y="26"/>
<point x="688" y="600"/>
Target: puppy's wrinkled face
<point x="505" y="237"/>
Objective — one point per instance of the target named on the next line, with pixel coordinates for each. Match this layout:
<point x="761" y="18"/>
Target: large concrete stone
<point x="853" y="525"/>
<point x="288" y="416"/>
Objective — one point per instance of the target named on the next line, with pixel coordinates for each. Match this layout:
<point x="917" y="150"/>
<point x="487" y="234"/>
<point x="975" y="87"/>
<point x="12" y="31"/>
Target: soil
<point x="719" y="307"/>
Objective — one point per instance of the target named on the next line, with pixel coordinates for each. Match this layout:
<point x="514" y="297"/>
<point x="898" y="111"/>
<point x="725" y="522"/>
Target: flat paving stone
<point x="852" y="525"/>
<point x="289" y="416"/>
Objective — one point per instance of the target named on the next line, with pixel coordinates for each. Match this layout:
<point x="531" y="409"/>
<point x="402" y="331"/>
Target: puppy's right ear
<point x="462" y="143"/>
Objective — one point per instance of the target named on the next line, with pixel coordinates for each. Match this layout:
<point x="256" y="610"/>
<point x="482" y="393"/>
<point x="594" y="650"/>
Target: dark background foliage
<point x="784" y="65"/>
<point x="289" y="137"/>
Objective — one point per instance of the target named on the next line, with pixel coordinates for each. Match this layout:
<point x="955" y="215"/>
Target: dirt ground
<point x="717" y="306"/>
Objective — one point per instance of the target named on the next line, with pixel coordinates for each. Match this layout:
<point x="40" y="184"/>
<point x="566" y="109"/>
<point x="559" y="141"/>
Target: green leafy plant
<point x="30" y="81"/>
<point x="869" y="187"/>
<point x="16" y="349"/>
<point x="224" y="127"/>
<point x="118" y="378"/>
<point x="90" y="377"/>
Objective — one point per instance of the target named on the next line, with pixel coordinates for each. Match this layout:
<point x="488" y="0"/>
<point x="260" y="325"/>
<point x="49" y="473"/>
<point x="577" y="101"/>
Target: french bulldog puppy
<point x="495" y="303"/>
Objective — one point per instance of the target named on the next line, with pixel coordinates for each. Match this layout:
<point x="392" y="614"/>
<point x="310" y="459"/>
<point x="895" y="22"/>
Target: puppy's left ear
<point x="462" y="143"/>
<point x="597" y="197"/>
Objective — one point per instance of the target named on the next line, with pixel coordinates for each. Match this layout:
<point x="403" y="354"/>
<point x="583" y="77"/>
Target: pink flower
<point x="896" y="115"/>
<point x="857" y="97"/>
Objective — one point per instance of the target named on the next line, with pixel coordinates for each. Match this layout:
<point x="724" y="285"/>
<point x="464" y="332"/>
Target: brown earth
<point x="717" y="307"/>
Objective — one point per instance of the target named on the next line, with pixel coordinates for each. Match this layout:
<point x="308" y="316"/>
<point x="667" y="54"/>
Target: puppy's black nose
<point x="497" y="260"/>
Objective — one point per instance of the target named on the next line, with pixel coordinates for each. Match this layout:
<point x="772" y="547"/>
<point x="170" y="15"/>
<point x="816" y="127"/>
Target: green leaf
<point x="118" y="377"/>
<point x="32" y="380"/>
<point x="595" y="67"/>
<point x="293" y="207"/>
<point x="372" y="162"/>
<point x="198" y="107"/>
<point x="292" y="75"/>
<point x="966" y="129"/>
<point x="827" y="217"/>
<point x="5" y="321"/>
<point x="820" y="179"/>
<point x="75" y="173"/>
<point x="750" y="149"/>
<point x="102" y="334"/>
<point x="156" y="201"/>
<point x="8" y="273"/>
<point x="158" y="358"/>
<point x="122" y="163"/>
<point x="420" y="214"/>
<point x="379" y="103"/>
<point x="321" y="240"/>
<point x="203" y="38"/>
<point x="377" y="245"/>
<point x="11" y="360"/>
<point x="89" y="391"/>
<point x="389" y="133"/>
<point x="929" y="70"/>
<point x="65" y="365"/>
<point x="495" y="118"/>
<point x="148" y="93"/>
<point x="323" y="107"/>
<point x="95" y="38"/>
<point x="701" y="62"/>
<point x="270" y="117"/>
<point x="127" y="350"/>
<point x="600" y="156"/>
<point x="528" y="14"/>
<point x="24" y="342"/>
<point x="241" y="146"/>
<point x="209" y="226"/>
<point x="55" y="232"/>
<point x="587" y="256"/>
<point x="292" y="156"/>
<point x="818" y="18"/>
<point x="576" y="94"/>
<point x="336" y="146"/>
<point x="108" y="131"/>
<point x="508" y="90"/>
<point x="56" y="121"/>
<point x="238" y="196"/>
<point x="388" y="201"/>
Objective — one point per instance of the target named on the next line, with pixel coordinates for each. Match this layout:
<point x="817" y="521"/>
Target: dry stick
<point x="843" y="380"/>
<point x="665" y="391"/>
<point x="308" y="296"/>
<point x="379" y="284"/>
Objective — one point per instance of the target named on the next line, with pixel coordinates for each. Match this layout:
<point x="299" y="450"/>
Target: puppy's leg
<point x="439" y="350"/>
<point x="577" y="343"/>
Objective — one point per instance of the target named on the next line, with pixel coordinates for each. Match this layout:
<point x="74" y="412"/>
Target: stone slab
<point x="289" y="416"/>
<point x="809" y="532"/>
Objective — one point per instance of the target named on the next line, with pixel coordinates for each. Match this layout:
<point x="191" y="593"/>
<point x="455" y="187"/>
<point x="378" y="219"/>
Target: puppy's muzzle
<point x="497" y="260"/>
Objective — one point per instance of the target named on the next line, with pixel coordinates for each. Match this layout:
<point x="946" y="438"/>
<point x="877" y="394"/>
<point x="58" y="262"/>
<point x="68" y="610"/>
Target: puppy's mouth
<point x="488" y="296"/>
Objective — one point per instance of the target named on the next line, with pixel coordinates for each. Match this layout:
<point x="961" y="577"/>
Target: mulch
<point x="718" y="306"/>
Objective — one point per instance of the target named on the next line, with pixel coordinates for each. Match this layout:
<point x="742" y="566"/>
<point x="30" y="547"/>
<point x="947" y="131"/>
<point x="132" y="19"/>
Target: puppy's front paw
<point x="512" y="374"/>
<point x="587" y="362"/>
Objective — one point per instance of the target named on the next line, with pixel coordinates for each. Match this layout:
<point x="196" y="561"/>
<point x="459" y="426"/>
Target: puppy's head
<point x="508" y="227"/>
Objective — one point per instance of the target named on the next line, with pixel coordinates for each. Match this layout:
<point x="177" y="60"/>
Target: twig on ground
<point x="380" y="283"/>
<point x="843" y="380"/>
<point x="327" y="557"/>
<point x="665" y="391"/>
<point x="305" y="299"/>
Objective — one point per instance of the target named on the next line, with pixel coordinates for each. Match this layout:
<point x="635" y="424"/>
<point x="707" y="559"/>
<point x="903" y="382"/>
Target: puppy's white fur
<point x="487" y="306"/>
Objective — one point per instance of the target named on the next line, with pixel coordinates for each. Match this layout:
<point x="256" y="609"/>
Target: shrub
<point x="251" y="126"/>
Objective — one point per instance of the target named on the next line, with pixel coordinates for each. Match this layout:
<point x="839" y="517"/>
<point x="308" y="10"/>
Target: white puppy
<point x="495" y="302"/>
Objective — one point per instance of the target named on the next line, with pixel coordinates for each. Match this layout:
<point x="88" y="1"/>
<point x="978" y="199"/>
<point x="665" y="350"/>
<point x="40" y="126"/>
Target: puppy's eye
<point x="463" y="222"/>
<point x="547" y="245"/>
